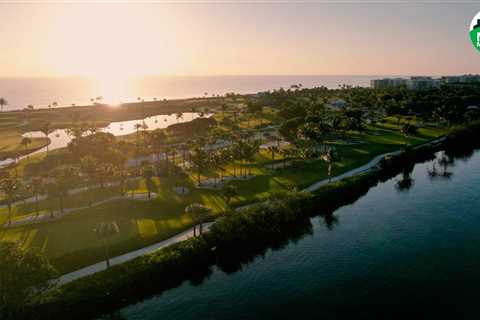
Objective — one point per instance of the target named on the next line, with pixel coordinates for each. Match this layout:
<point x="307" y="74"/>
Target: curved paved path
<point x="100" y="266"/>
<point x="66" y="278"/>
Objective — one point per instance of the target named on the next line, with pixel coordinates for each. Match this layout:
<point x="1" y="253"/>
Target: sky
<point x="111" y="39"/>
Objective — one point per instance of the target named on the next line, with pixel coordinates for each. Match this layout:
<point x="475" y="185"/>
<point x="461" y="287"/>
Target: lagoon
<point x="397" y="251"/>
<point x="60" y="138"/>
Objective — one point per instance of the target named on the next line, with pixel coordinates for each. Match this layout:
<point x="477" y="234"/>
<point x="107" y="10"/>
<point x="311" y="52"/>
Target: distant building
<point x="421" y="83"/>
<point x="467" y="78"/>
<point x="387" y="83"/>
<point x="339" y="103"/>
<point x="336" y="104"/>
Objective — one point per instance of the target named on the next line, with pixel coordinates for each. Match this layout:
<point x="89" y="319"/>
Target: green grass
<point x="13" y="124"/>
<point x="70" y="242"/>
<point x="10" y="143"/>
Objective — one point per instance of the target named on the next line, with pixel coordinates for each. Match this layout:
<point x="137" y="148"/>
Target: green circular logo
<point x="475" y="31"/>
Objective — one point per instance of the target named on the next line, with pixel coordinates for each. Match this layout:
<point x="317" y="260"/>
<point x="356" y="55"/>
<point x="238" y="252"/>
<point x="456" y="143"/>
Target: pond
<point x="409" y="247"/>
<point x="60" y="138"/>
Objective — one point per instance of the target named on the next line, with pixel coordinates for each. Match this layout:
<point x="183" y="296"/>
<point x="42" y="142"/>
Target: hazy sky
<point x="105" y="40"/>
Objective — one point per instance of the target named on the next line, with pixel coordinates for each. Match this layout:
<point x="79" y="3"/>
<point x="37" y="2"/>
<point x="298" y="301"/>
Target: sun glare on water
<point x="113" y="89"/>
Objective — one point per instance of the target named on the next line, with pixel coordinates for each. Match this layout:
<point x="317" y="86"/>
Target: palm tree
<point x="166" y="151"/>
<point x="179" y="116"/>
<point x="64" y="177"/>
<point x="273" y="150"/>
<point x="249" y="152"/>
<point x="199" y="213"/>
<point x="199" y="159"/>
<point x="224" y="108"/>
<point x="229" y="192"/>
<point x="88" y="167"/>
<point x="103" y="231"/>
<point x="25" y="142"/>
<point x="157" y="141"/>
<point x="121" y="176"/>
<point x="181" y="178"/>
<point x="144" y="128"/>
<point x="183" y="150"/>
<point x="10" y="187"/>
<point x="286" y="153"/>
<point x="137" y="128"/>
<point x="46" y="130"/>
<point x="3" y="103"/>
<point x="236" y="154"/>
<point x="331" y="157"/>
<point x="37" y="187"/>
<point x="148" y="174"/>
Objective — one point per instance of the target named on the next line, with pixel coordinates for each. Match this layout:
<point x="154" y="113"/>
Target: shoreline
<point x="184" y="235"/>
<point x="192" y="259"/>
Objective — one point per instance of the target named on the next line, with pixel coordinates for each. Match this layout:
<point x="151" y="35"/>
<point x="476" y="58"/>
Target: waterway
<point x="409" y="247"/>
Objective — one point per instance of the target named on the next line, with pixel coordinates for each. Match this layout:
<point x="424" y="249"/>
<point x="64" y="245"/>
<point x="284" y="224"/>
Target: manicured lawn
<point x="10" y="143"/>
<point x="70" y="242"/>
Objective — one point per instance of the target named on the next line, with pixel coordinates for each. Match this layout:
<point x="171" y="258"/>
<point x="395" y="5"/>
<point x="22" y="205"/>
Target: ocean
<point x="41" y="92"/>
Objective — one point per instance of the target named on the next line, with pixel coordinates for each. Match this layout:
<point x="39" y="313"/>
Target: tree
<point x="199" y="213"/>
<point x="46" y="130"/>
<point x="229" y="192"/>
<point x="181" y="178"/>
<point x="157" y="141"/>
<point x="273" y="150"/>
<point x="37" y="188"/>
<point x="249" y="152"/>
<point x="183" y="151"/>
<point x="26" y="275"/>
<point x="286" y="153"/>
<point x="104" y="231"/>
<point x="10" y="186"/>
<point x="121" y="177"/>
<point x="199" y="159"/>
<point x="408" y="129"/>
<point x="63" y="177"/>
<point x="224" y="108"/>
<point x="88" y="167"/>
<point x="148" y="174"/>
<point x="179" y="115"/>
<point x="3" y="103"/>
<point x="137" y="127"/>
<point x="331" y="157"/>
<point x="76" y="130"/>
<point x="25" y="142"/>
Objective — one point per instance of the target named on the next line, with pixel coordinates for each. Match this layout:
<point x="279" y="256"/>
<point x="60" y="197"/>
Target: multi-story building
<point x="467" y="78"/>
<point x="387" y="83"/>
<point x="423" y="82"/>
<point x="420" y="83"/>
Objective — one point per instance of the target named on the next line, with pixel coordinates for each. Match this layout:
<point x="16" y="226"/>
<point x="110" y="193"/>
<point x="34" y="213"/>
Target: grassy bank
<point x="70" y="244"/>
<point x="234" y="240"/>
<point x="14" y="123"/>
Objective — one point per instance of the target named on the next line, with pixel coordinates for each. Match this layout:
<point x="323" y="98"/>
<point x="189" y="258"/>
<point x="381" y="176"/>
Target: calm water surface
<point x="40" y="92"/>
<point x="390" y="253"/>
<point x="60" y="138"/>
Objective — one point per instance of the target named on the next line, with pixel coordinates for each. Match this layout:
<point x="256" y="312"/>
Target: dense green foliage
<point x="23" y="278"/>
